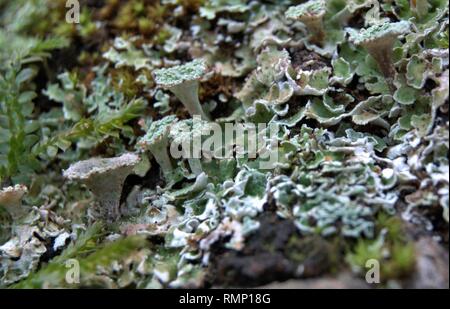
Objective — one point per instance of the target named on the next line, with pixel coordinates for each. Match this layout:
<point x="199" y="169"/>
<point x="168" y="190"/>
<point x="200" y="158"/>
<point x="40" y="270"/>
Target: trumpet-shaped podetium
<point x="187" y="140"/>
<point x="157" y="142"/>
<point x="379" y="41"/>
<point x="105" y="178"/>
<point x="11" y="199"/>
<point x="311" y="14"/>
<point x="183" y="81"/>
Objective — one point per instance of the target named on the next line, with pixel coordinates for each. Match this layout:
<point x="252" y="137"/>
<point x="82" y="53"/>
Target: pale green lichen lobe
<point x="84" y="170"/>
<point x="158" y="130"/>
<point x="306" y="10"/>
<point x="379" y="31"/>
<point x="176" y="75"/>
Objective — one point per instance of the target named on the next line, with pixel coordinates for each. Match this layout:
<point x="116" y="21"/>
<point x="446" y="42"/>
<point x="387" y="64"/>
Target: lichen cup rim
<point x="83" y="170"/>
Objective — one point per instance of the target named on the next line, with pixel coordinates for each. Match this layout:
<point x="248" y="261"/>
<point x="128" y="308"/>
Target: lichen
<point x="379" y="32"/>
<point x="105" y="178"/>
<point x="306" y="10"/>
<point x="143" y="134"/>
<point x="191" y="71"/>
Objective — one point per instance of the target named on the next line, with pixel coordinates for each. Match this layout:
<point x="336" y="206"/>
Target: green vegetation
<point x="92" y="115"/>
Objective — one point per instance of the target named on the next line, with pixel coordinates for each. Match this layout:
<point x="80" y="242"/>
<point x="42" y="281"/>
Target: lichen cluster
<point x="92" y="113"/>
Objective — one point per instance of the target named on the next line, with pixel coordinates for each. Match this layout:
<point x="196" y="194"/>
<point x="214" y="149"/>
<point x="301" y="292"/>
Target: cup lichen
<point x="311" y="167"/>
<point x="156" y="140"/>
<point x="379" y="41"/>
<point x="104" y="177"/>
<point x="183" y="81"/>
<point x="311" y="14"/>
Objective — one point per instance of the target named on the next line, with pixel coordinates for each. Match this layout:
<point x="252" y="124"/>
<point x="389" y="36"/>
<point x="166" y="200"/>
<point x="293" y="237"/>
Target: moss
<point x="124" y="81"/>
<point x="394" y="226"/>
<point x="54" y="274"/>
<point x="87" y="25"/>
<point x="162" y="36"/>
<point x="402" y="261"/>
<point x="52" y="22"/>
<point x="109" y="9"/>
<point x="145" y="25"/>
<point x="394" y="251"/>
<point x="126" y="18"/>
<point x="135" y="16"/>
